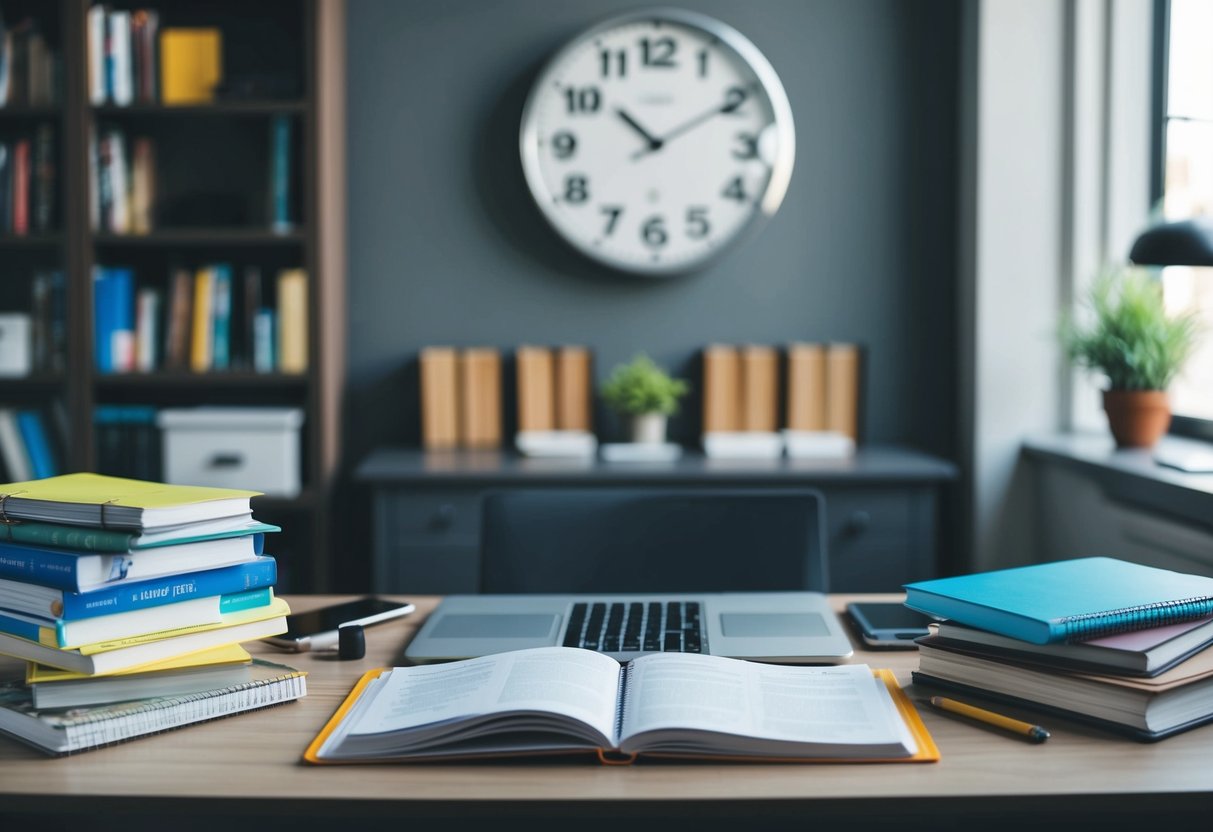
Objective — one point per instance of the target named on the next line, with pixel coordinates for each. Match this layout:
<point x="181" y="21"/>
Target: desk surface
<point x="251" y="763"/>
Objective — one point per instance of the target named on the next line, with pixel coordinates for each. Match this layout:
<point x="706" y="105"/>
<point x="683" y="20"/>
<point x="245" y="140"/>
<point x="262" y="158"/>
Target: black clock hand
<point x="733" y="99"/>
<point x="652" y="141"/>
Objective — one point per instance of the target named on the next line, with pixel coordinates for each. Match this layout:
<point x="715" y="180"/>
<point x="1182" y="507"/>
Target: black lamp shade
<point x="1182" y="243"/>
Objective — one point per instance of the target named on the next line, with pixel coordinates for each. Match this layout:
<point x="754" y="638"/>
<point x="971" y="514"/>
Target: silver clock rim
<point x="781" y="166"/>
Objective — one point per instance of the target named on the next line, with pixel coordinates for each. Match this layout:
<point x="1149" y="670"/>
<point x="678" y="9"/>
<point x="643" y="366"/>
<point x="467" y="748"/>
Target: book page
<point x="579" y="684"/>
<point x="679" y="698"/>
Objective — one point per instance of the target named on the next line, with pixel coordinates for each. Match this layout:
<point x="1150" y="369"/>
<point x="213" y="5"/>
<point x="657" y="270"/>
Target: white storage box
<point x="255" y="448"/>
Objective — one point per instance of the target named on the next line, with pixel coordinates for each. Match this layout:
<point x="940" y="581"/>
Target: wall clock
<point x="654" y="140"/>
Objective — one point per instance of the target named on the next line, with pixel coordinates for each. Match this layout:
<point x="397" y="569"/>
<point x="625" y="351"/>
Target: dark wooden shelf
<point x="219" y="108"/>
<point x="38" y="381"/>
<point x="234" y="378"/>
<point x="201" y="237"/>
<point x="23" y="111"/>
<point x="35" y="240"/>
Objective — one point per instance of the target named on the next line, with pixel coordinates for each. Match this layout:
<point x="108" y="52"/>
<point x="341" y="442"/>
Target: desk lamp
<point x="1181" y="243"/>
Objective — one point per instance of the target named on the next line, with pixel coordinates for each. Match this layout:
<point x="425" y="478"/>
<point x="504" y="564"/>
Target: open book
<point x="553" y="700"/>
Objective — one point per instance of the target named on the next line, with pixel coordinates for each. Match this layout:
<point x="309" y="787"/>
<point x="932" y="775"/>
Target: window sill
<point x="1132" y="475"/>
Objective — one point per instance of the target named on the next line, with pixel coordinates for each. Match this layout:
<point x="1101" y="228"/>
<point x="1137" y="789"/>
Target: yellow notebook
<point x="292" y="321"/>
<point x="228" y="654"/>
<point x="191" y="65"/>
<point x="659" y="705"/>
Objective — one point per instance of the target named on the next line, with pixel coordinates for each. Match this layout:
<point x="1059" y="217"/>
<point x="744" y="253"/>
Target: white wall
<point x="1055" y="131"/>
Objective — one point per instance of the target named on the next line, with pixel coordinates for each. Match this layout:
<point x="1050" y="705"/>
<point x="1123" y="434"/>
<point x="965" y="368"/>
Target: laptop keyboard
<point x="653" y="627"/>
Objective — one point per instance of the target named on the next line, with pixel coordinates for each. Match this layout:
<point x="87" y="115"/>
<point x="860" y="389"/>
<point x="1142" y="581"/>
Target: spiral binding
<point x="1160" y="613"/>
<point x="624" y="678"/>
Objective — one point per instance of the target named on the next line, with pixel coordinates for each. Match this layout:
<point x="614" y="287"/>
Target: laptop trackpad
<point x="496" y="625"/>
<point x="766" y="624"/>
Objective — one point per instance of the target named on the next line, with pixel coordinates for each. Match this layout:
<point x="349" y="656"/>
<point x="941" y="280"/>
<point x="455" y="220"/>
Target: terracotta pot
<point x="1137" y="418"/>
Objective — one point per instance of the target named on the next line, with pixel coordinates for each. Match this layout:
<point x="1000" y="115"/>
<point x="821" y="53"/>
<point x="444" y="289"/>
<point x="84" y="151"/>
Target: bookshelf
<point x="214" y="184"/>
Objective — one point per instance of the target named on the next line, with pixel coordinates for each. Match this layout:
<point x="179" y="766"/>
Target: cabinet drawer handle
<point x="226" y="460"/>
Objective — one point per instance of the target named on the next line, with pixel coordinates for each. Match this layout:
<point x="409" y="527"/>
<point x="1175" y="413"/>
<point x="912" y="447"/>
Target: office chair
<point x="611" y="539"/>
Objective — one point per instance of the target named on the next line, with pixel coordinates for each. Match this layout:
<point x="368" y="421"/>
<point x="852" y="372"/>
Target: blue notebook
<point x="1068" y="600"/>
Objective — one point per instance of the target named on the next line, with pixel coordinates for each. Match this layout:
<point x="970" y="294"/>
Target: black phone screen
<point x="309" y="623"/>
<point x="877" y="616"/>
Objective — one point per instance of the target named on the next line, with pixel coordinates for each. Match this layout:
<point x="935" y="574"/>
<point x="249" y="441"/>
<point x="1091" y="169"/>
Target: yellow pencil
<point x="1033" y="732"/>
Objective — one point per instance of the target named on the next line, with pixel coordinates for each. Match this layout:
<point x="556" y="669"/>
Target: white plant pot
<point x="649" y="428"/>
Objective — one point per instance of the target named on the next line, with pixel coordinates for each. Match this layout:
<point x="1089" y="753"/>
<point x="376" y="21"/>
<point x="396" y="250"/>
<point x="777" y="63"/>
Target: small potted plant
<point x="1139" y="347"/>
<point x="646" y="393"/>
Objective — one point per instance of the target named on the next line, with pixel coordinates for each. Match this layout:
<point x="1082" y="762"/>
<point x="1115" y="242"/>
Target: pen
<point x="1033" y="732"/>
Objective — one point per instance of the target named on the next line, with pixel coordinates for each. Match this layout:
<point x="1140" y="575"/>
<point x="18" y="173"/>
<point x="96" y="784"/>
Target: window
<point x="1184" y="181"/>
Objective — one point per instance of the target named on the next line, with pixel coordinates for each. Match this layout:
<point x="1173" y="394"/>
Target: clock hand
<point x="652" y="141"/>
<point x="733" y="99"/>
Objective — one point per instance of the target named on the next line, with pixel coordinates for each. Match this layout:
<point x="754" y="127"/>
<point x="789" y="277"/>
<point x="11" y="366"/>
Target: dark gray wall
<point x="445" y="246"/>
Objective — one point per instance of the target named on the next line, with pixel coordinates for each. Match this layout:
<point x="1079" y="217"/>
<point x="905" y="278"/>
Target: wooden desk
<point x="249" y="767"/>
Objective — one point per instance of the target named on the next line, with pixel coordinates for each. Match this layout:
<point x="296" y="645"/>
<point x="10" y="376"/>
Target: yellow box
<point x="191" y="65"/>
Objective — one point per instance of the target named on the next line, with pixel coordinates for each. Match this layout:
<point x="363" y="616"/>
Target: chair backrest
<point x="619" y="539"/>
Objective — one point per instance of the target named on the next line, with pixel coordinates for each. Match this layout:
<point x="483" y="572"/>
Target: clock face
<point x="656" y="139"/>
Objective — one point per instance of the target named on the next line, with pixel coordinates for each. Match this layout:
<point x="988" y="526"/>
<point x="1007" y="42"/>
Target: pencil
<point x="1033" y="732"/>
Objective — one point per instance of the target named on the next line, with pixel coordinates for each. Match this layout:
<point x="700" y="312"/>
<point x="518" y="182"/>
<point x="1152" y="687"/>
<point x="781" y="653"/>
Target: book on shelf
<point x="48" y="324"/>
<point x="147" y="329"/>
<point x="292" y="321"/>
<point x="29" y="68"/>
<point x="45" y="179"/>
<point x="1135" y="653"/>
<point x="721" y="388"/>
<point x="810" y="433"/>
<point x="191" y="64"/>
<point x="119" y="503"/>
<point x="562" y="700"/>
<point x="64" y="634"/>
<point x="135" y="651"/>
<point x="535" y="386"/>
<point x="145" y="48"/>
<point x="20" y="188"/>
<point x="36" y="437"/>
<point x="6" y="187"/>
<point x="843" y="386"/>
<point x="122" y="55"/>
<point x="479" y="398"/>
<point x="113" y="319"/>
<point x="118" y="79"/>
<point x="202" y="347"/>
<point x="16" y="458"/>
<point x="759" y="388"/>
<point x="142" y="185"/>
<point x="221" y="317"/>
<point x="75" y="570"/>
<point x="439" y="371"/>
<point x="251" y="302"/>
<point x="128" y="441"/>
<point x="1146" y="708"/>
<point x="16" y="344"/>
<point x="280" y="194"/>
<point x="50" y="687"/>
<point x="180" y="315"/>
<point x="1039" y="604"/>
<point x="574" y="388"/>
<point x="79" y="729"/>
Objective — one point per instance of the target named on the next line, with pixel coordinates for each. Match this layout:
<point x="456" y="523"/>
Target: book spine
<point x="479" y="375"/>
<point x="96" y="55"/>
<point x="37" y="445"/>
<point x="264" y="338"/>
<point x="177" y="338"/>
<point x="202" y="329"/>
<point x="843" y="389"/>
<point x="535" y="375"/>
<point x="39" y="566"/>
<point x="81" y="539"/>
<point x="15" y="625"/>
<point x="12" y="448"/>
<point x="721" y="389"/>
<point x="280" y="176"/>
<point x="806" y="385"/>
<point x="439" y="398"/>
<point x="240" y="601"/>
<point x="44" y="178"/>
<point x="222" y="317"/>
<point x="573" y="389"/>
<point x="759" y="389"/>
<point x="258" y="573"/>
<point x="21" y="191"/>
<point x="6" y="179"/>
<point x="292" y="321"/>
<point x="147" y="329"/>
<point x="119" y="57"/>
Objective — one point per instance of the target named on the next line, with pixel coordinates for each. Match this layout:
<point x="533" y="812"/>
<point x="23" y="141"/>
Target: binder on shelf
<point x="113" y="318"/>
<point x="535" y="380"/>
<point x="292" y="321"/>
<point x="574" y="388"/>
<point x="439" y="398"/>
<point x="721" y="388"/>
<point x="480" y="400"/>
<point x="759" y="388"/>
<point x="806" y="385"/>
<point x="202" y="332"/>
<point x="221" y="318"/>
<point x="191" y="64"/>
<point x="842" y="389"/>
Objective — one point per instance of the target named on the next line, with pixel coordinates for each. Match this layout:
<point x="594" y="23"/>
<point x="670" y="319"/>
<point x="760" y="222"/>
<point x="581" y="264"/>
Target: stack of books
<point x="133" y="597"/>
<point x="1102" y="641"/>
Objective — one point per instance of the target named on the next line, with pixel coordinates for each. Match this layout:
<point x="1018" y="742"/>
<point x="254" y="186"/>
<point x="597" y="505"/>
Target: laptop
<point x="782" y="627"/>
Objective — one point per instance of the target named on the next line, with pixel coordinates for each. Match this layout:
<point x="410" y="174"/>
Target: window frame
<point x="1189" y="426"/>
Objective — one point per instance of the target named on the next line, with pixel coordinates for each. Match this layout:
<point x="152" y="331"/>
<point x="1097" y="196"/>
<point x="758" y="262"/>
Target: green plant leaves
<point x="1131" y="338"/>
<point x="642" y="387"/>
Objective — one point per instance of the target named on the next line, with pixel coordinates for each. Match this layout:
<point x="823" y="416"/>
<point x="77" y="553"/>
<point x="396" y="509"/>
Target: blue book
<point x="61" y="633"/>
<point x="221" y="355"/>
<point x="1068" y="600"/>
<point x="48" y="602"/>
<point x="77" y="571"/>
<point x="37" y="444"/>
<point x="280" y="173"/>
<point x="113" y="318"/>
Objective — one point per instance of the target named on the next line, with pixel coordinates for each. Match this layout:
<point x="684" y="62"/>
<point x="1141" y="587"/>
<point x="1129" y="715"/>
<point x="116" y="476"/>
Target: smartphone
<point x="888" y="624"/>
<point x="317" y="629"/>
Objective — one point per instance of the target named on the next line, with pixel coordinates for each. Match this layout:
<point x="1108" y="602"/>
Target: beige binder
<point x="480" y="402"/>
<point x="439" y="398"/>
<point x="806" y="380"/>
<point x="721" y="388"/>
<point x="759" y="388"/>
<point x="842" y="389"/>
<point x="535" y="376"/>
<point x="573" y="389"/>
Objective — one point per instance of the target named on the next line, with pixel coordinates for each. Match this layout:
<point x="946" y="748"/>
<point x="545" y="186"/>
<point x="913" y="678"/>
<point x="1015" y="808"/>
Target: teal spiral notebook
<point x="1067" y="600"/>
